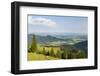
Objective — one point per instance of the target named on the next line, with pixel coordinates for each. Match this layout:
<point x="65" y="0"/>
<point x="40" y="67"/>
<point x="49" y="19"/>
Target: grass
<point x="35" y="56"/>
<point x="47" y="54"/>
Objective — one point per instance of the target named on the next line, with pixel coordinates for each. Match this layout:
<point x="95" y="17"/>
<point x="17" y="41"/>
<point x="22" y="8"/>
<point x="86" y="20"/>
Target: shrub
<point x="29" y="50"/>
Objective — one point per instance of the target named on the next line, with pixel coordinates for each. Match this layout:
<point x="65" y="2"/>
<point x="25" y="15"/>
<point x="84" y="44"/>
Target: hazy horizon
<point x="55" y="33"/>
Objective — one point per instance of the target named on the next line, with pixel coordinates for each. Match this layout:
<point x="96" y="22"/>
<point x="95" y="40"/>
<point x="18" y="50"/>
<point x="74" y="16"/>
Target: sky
<point x="57" y="24"/>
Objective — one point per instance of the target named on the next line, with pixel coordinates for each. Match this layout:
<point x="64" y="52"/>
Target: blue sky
<point x="57" y="24"/>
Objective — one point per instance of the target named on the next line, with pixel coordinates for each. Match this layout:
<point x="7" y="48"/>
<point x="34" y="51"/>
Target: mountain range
<point x="82" y="44"/>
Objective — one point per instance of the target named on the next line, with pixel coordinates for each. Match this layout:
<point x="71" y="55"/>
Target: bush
<point x="29" y="50"/>
<point x="47" y="53"/>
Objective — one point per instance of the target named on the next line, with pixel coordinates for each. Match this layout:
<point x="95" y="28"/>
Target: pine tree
<point x="69" y="55"/>
<point x="34" y="44"/>
<point x="44" y="52"/>
<point x="64" y="55"/>
<point x="81" y="54"/>
<point x="58" y="54"/>
<point x="52" y="52"/>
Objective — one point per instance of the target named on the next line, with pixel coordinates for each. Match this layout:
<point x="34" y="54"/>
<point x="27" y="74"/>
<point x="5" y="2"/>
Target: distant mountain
<point x="44" y="39"/>
<point x="81" y="45"/>
<point x="48" y="38"/>
<point x="58" y="34"/>
<point x="79" y="42"/>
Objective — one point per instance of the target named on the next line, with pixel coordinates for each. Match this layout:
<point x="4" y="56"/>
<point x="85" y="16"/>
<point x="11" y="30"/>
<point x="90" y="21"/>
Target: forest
<point x="54" y="48"/>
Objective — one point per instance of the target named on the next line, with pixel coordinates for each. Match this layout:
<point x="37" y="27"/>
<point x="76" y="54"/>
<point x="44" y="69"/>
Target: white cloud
<point x="41" y="21"/>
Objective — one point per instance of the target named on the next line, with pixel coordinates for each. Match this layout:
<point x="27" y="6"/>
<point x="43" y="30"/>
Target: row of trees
<point x="64" y="54"/>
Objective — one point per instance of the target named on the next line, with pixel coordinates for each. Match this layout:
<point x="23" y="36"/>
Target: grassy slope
<point x="35" y="56"/>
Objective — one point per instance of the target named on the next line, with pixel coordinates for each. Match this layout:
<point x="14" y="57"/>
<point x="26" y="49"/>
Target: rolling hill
<point x="81" y="45"/>
<point x="44" y="39"/>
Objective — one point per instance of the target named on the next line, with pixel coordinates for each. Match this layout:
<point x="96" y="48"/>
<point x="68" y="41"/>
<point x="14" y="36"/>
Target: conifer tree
<point x="34" y="44"/>
<point x="52" y="52"/>
<point x="44" y="50"/>
<point x="64" y="55"/>
<point x="58" y="54"/>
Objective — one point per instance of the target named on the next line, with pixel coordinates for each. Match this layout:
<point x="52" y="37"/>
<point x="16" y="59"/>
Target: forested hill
<point x="81" y="45"/>
<point x="44" y="39"/>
